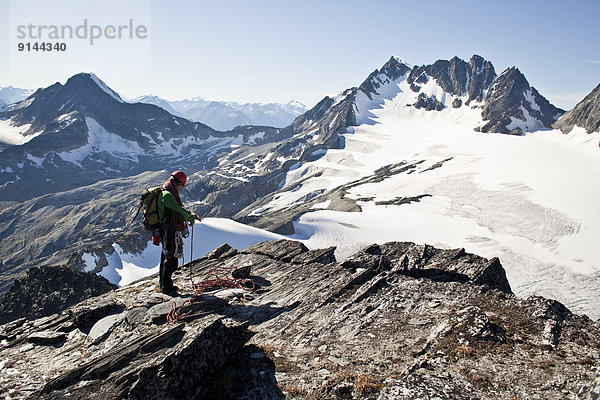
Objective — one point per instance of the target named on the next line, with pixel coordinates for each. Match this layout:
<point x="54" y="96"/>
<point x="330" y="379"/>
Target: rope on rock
<point x="216" y="280"/>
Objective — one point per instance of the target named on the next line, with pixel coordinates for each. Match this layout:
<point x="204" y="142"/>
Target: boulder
<point x="281" y="250"/>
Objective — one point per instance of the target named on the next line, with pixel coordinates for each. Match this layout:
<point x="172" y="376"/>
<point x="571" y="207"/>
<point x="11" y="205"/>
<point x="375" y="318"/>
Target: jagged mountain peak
<point x="88" y="80"/>
<point x="457" y="77"/>
<point x="83" y="92"/>
<point x="395" y="61"/>
<point x="512" y="77"/>
<point x="513" y="106"/>
<point x="479" y="62"/>
<point x="401" y="60"/>
<point x="509" y="103"/>
<point x="585" y="114"/>
<point x="391" y="71"/>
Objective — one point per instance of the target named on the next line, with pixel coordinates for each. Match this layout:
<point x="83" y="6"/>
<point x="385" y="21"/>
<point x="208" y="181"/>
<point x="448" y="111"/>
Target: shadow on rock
<point x="249" y="374"/>
<point x="259" y="314"/>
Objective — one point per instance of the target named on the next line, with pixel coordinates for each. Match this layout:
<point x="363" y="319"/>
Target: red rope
<point x="173" y="315"/>
<point x="216" y="280"/>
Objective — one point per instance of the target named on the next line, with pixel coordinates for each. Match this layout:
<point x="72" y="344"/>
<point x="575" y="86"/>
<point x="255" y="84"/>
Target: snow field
<point x="530" y="200"/>
<point x="124" y="268"/>
<point x="14" y="135"/>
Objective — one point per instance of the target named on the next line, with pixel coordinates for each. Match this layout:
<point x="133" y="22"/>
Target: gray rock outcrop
<point x="394" y="321"/>
<point x="509" y="98"/>
<point x="586" y="114"/>
<point x="429" y="103"/>
<point x="49" y="290"/>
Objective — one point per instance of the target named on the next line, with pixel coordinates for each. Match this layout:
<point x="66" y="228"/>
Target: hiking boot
<point x="173" y="291"/>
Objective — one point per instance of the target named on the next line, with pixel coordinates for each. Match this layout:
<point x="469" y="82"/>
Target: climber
<point x="174" y="220"/>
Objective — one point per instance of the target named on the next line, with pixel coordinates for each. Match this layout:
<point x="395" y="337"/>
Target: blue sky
<point x="268" y="51"/>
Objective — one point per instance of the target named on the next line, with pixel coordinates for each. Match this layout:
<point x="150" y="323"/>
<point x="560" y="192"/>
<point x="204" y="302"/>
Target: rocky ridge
<point x="511" y="99"/>
<point x="394" y="321"/>
<point x="49" y="290"/>
<point x="585" y="114"/>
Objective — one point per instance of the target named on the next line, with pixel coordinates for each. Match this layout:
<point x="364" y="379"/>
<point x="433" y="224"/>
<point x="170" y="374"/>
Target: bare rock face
<point x="49" y="290"/>
<point x="509" y="98"/>
<point x="394" y="321"/>
<point x="428" y="103"/>
<point x="586" y="114"/>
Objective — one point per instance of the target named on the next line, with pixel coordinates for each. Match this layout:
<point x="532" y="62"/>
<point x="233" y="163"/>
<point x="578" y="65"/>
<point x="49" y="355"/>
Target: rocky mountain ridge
<point x="394" y="321"/>
<point x="49" y="290"/>
<point x="83" y="128"/>
<point x="585" y="114"/>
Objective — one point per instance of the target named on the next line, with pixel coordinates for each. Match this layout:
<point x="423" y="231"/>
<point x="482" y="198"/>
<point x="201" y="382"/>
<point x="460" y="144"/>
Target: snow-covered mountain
<point x="507" y="102"/>
<point x="225" y="115"/>
<point x="423" y="153"/>
<point x="9" y="95"/>
<point x="85" y="130"/>
<point x="446" y="91"/>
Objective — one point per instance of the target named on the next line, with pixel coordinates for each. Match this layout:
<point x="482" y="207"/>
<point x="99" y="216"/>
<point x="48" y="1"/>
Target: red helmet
<point x="180" y="176"/>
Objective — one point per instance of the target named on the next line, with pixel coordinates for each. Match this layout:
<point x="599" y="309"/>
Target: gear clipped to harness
<point x="179" y="244"/>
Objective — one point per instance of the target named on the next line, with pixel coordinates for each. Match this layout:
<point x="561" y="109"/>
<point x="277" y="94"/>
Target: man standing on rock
<point x="174" y="219"/>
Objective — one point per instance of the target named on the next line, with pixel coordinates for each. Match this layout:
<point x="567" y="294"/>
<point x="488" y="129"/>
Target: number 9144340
<point x="44" y="46"/>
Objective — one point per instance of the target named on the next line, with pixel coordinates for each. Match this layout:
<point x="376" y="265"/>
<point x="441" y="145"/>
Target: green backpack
<point x="149" y="203"/>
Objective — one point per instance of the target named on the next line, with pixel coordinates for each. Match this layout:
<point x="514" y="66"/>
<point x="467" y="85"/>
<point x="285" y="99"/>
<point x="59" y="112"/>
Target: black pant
<point x="168" y="261"/>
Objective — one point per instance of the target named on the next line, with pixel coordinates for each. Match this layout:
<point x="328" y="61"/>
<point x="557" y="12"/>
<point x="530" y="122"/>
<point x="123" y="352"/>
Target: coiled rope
<point x="217" y="279"/>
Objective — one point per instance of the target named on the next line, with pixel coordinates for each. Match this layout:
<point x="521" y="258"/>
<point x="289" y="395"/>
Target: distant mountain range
<point x="226" y="115"/>
<point x="9" y="95"/>
<point x="219" y="115"/>
<point x="85" y="129"/>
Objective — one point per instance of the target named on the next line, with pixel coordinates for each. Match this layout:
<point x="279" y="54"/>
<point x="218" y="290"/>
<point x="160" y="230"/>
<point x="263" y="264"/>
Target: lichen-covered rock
<point x="397" y="320"/>
<point x="590" y="392"/>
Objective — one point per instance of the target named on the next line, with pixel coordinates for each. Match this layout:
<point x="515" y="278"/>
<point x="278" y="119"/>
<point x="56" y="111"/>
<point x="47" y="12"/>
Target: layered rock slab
<point x="396" y="320"/>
